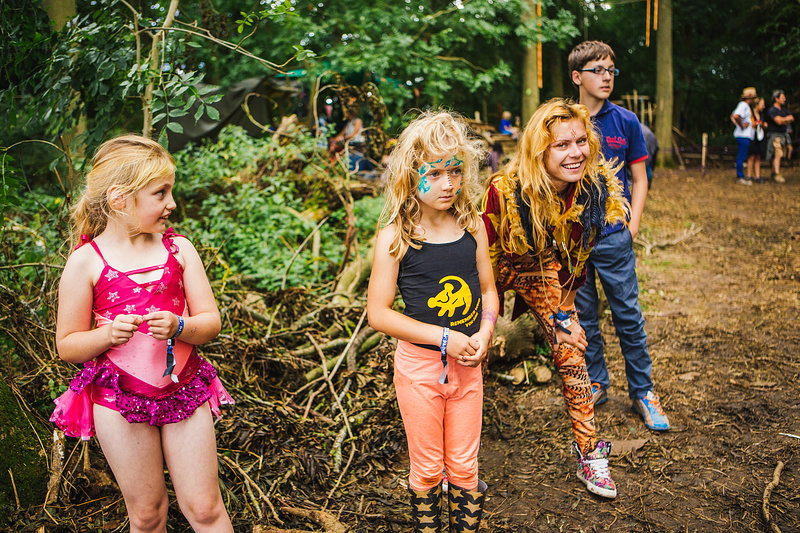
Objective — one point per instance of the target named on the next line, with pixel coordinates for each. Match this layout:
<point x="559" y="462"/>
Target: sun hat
<point x="749" y="92"/>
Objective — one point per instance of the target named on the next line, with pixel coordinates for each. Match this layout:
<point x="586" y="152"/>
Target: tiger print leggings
<point x="535" y="280"/>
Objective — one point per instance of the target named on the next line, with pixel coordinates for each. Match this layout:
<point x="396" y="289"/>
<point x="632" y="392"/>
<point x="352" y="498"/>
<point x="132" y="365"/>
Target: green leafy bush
<point x="257" y="200"/>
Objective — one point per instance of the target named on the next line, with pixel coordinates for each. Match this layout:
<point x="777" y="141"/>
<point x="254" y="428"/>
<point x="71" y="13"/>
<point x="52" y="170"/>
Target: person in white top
<point x="742" y="118"/>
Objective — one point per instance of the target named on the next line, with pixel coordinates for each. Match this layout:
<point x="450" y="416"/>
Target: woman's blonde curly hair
<point x="432" y="135"/>
<point x="527" y="166"/>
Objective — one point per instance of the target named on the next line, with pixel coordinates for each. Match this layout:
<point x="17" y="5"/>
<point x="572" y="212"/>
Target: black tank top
<point x="439" y="284"/>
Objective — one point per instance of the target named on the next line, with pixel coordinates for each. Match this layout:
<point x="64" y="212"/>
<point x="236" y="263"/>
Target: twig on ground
<point x="14" y="486"/>
<point x="643" y="241"/>
<point x="323" y="518"/>
<point x="776" y="478"/>
<point x="252" y="483"/>
<point x="56" y="467"/>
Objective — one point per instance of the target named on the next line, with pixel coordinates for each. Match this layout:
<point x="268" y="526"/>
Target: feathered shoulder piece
<point x="601" y="201"/>
<point x="507" y="216"/>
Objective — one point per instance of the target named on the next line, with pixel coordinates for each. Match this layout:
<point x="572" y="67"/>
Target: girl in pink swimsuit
<point x="132" y="306"/>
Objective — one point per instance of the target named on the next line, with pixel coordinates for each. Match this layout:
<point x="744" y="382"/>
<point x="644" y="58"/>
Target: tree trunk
<point x="154" y="58"/>
<point x="530" y="85"/>
<point x="556" y="71"/>
<point x="664" y="93"/>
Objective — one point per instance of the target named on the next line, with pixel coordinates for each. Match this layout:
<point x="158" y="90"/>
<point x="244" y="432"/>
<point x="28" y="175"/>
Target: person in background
<point x="742" y="118"/>
<point x="756" y="149"/>
<point x="506" y="128"/>
<point x="325" y="124"/>
<point x="495" y="156"/>
<point x="779" y="119"/>
<point x="352" y="131"/>
<point x="651" y="142"/>
<point x="352" y="135"/>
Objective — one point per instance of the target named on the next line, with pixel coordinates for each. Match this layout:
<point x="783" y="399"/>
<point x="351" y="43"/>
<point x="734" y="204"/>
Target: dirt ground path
<point x="721" y="307"/>
<point x="720" y="289"/>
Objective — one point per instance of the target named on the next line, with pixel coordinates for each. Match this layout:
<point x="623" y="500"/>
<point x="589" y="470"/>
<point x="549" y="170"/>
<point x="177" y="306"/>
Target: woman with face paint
<point x="542" y="214"/>
<point x="433" y="247"/>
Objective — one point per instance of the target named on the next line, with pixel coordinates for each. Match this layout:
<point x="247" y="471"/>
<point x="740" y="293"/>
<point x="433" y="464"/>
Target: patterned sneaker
<point x="599" y="396"/>
<point x="593" y="469"/>
<point x="649" y="408"/>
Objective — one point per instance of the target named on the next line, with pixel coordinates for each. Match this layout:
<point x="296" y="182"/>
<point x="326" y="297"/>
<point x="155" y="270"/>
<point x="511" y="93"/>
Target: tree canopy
<point x="463" y="54"/>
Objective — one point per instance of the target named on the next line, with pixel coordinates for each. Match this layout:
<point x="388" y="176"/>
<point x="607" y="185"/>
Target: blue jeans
<point x="741" y="155"/>
<point x="614" y="262"/>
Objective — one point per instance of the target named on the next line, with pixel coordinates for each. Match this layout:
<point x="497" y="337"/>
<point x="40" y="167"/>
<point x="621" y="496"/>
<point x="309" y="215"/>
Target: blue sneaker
<point x="649" y="408"/>
<point x="599" y="396"/>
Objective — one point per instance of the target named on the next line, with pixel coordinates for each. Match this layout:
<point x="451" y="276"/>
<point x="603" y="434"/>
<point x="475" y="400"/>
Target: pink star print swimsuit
<point x="128" y="378"/>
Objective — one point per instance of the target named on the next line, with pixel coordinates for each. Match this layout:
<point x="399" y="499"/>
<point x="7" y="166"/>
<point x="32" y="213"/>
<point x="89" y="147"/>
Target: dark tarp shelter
<point x="264" y="97"/>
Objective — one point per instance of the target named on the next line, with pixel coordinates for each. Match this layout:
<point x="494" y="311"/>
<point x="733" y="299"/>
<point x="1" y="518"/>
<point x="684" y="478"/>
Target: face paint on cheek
<point x="424" y="187"/>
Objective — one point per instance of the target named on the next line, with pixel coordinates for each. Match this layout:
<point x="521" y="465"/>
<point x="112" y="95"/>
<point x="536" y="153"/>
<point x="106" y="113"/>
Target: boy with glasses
<point x="592" y="69"/>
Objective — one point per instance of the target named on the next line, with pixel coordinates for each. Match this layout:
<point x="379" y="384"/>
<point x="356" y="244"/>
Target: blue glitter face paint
<point x="424" y="186"/>
<point x="431" y="172"/>
<point x="456" y="162"/>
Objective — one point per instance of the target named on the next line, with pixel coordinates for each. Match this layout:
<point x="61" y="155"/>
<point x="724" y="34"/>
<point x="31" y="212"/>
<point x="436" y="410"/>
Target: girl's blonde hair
<point x="129" y="162"/>
<point x="433" y="134"/>
<point x="528" y="165"/>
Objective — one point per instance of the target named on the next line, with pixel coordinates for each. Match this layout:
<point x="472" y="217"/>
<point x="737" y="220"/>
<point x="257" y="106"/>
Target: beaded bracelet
<point x="170" y="354"/>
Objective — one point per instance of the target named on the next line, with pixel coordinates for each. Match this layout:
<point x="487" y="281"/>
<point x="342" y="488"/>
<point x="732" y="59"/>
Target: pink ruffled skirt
<point x="104" y="383"/>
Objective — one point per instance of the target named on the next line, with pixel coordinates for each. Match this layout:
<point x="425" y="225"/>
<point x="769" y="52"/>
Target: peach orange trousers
<point x="442" y="421"/>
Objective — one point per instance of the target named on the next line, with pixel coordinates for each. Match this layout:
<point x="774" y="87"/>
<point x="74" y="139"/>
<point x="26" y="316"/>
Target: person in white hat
<point x="742" y="118"/>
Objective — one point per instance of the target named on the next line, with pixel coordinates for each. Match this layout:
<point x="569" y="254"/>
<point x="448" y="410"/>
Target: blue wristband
<point x="563" y="314"/>
<point x="561" y="321"/>
<point x="170" y="354"/>
<point x="443" y="349"/>
<point x="180" y="328"/>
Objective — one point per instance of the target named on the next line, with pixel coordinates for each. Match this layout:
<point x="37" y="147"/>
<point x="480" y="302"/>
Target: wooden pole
<point x="647" y="26"/>
<point x="635" y="107"/>
<point x="677" y="151"/>
<point x="655" y="15"/>
<point x="703" y="153"/>
<point x="539" y="78"/>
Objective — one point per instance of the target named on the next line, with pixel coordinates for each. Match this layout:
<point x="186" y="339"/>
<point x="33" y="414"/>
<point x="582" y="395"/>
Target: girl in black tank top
<point x="434" y="248"/>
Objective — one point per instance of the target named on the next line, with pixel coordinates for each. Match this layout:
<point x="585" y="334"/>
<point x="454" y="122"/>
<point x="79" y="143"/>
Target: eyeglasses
<point x="614" y="72"/>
